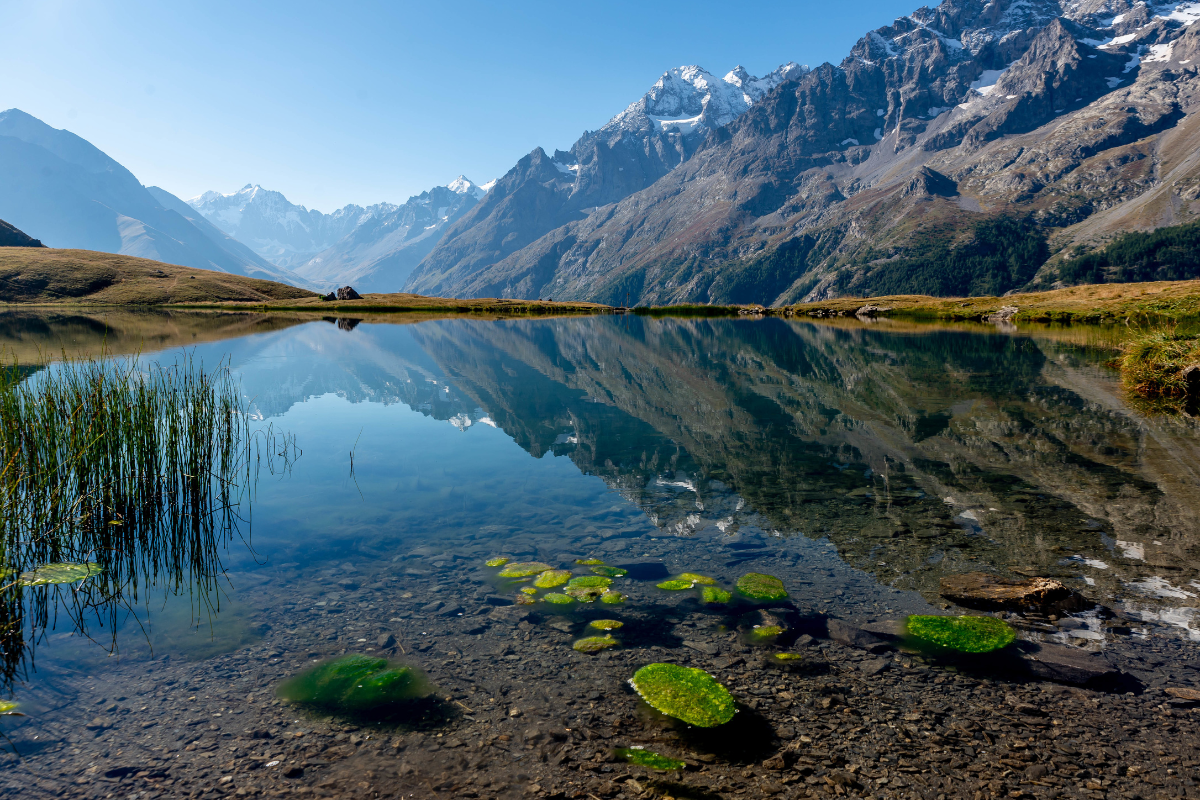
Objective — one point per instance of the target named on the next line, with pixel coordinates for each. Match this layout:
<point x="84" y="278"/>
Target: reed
<point x="1163" y="366"/>
<point x="146" y="469"/>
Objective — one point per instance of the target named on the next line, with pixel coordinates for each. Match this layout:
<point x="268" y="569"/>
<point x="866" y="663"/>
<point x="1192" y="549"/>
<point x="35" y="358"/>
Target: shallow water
<point x="859" y="464"/>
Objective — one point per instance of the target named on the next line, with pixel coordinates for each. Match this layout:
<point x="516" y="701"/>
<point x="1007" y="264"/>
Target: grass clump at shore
<point x="127" y="473"/>
<point x="1162" y="364"/>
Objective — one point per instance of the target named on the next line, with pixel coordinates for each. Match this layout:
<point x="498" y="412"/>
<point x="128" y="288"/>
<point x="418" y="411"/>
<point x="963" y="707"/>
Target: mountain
<point x="389" y="241"/>
<point x="634" y="149"/>
<point x="373" y="248"/>
<point x="69" y="194"/>
<point x="966" y="149"/>
<point x="11" y="237"/>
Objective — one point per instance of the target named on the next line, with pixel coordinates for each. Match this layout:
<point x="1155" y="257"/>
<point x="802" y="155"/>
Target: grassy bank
<point x="402" y="302"/>
<point x="1157" y="302"/>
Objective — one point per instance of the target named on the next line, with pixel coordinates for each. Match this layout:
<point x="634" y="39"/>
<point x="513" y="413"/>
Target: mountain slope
<point x="72" y="195"/>
<point x="11" y="237"/>
<point x="1072" y="120"/>
<point x="633" y="150"/>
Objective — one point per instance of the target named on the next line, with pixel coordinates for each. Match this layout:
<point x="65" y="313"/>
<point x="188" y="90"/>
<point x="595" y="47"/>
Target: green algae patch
<point x="763" y="634"/>
<point x="499" y="561"/>
<point x="606" y="624"/>
<point x="758" y="586"/>
<point x="675" y="585"/>
<point x="9" y="708"/>
<point x="714" y="595"/>
<point x="591" y="582"/>
<point x="529" y="589"/>
<point x="648" y="758"/>
<point x="356" y="684"/>
<point x="610" y="572"/>
<point x="699" y="580"/>
<point x="59" y="573"/>
<point x="612" y="598"/>
<point x="552" y="578"/>
<point x="594" y="644"/>
<point x="557" y="599"/>
<point x="686" y="693"/>
<point x="962" y="634"/>
<point x="523" y="569"/>
<point x="589" y="562"/>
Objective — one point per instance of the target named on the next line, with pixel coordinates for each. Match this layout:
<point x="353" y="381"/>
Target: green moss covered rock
<point x="587" y="562"/>
<point x="758" y="586"/>
<point x="688" y="694"/>
<point x="498" y="561"/>
<point x="648" y="758"/>
<point x="610" y="572"/>
<point x="591" y="582"/>
<point x="612" y="598"/>
<point x="714" y="595"/>
<point x="556" y="599"/>
<point x="523" y="569"/>
<point x="606" y="624"/>
<point x="552" y="578"/>
<point x="763" y="634"/>
<point x="356" y="684"/>
<point x="699" y="580"/>
<point x="962" y="634"/>
<point x="594" y="644"/>
<point x="675" y="585"/>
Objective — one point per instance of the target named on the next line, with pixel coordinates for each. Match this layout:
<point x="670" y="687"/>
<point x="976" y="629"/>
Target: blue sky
<point x="335" y="103"/>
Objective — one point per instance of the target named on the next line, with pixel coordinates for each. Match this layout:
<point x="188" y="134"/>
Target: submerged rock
<point x="686" y="693"/>
<point x="994" y="593"/>
<point x="552" y="578"/>
<point x="498" y="561"/>
<point x="714" y="595"/>
<point x="594" y="644"/>
<point x="647" y="758"/>
<point x="962" y="634"/>
<point x="758" y="586"/>
<point x="612" y="598"/>
<point x="356" y="684"/>
<point x="523" y="569"/>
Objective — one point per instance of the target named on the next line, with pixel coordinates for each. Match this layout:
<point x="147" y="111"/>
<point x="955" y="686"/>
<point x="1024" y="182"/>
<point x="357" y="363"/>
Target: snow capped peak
<point x="689" y="98"/>
<point x="487" y="187"/>
<point x="463" y="185"/>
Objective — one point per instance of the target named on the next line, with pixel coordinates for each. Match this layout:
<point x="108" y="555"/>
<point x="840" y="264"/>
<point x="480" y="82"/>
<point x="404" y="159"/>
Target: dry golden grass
<point x="45" y="275"/>
<point x="1113" y="302"/>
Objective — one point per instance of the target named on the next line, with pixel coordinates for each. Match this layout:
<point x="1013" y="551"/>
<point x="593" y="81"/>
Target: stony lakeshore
<point x="517" y="713"/>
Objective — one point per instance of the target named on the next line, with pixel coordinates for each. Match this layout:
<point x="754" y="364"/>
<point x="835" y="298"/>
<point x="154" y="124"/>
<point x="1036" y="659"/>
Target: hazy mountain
<point x="61" y="189"/>
<point x="389" y="241"/>
<point x="634" y="149"/>
<point x="966" y="148"/>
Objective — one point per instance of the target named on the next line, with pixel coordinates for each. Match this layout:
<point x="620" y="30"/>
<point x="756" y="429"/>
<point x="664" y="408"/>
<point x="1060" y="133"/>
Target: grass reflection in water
<point x="145" y="469"/>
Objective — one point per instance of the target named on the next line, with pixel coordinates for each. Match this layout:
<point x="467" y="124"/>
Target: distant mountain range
<point x="373" y="248"/>
<point x="60" y="189"/>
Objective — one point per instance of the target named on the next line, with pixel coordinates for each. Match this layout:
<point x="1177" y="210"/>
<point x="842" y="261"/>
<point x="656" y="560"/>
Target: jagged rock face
<point x="633" y="150"/>
<point x="1029" y="107"/>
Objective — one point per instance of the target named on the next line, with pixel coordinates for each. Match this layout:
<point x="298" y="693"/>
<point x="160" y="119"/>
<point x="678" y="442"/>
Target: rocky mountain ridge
<point x="638" y="146"/>
<point x="1072" y="121"/>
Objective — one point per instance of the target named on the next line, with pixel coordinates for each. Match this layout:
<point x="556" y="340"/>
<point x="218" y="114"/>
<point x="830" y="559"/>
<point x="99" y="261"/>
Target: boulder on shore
<point x="348" y="293"/>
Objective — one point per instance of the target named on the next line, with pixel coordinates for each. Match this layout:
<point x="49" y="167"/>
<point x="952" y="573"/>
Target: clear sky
<point x="335" y="103"/>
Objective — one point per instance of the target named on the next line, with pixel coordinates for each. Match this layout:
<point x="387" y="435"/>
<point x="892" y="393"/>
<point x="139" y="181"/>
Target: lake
<point x="859" y="463"/>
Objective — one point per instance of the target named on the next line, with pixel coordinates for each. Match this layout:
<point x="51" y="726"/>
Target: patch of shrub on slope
<point x="1166" y="254"/>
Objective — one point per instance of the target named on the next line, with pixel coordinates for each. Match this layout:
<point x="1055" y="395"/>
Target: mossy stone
<point x="758" y="586"/>
<point x="525" y="600"/>
<point x="612" y="598"/>
<point x="499" y="561"/>
<point x="761" y="634"/>
<point x="588" y="562"/>
<point x="591" y="582"/>
<point x="552" y="578"/>
<point x="523" y="569"/>
<point x="715" y="594"/>
<point x="59" y="573"/>
<point x="606" y="624"/>
<point x="554" y="598"/>
<point x="585" y="594"/>
<point x="529" y="589"/>
<point x="648" y="758"/>
<point x="594" y="644"/>
<point x="962" y="634"/>
<point x="675" y="585"/>
<point x="610" y="572"/>
<point x="686" y="693"/>
<point x="699" y="580"/>
<point x="355" y="684"/>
